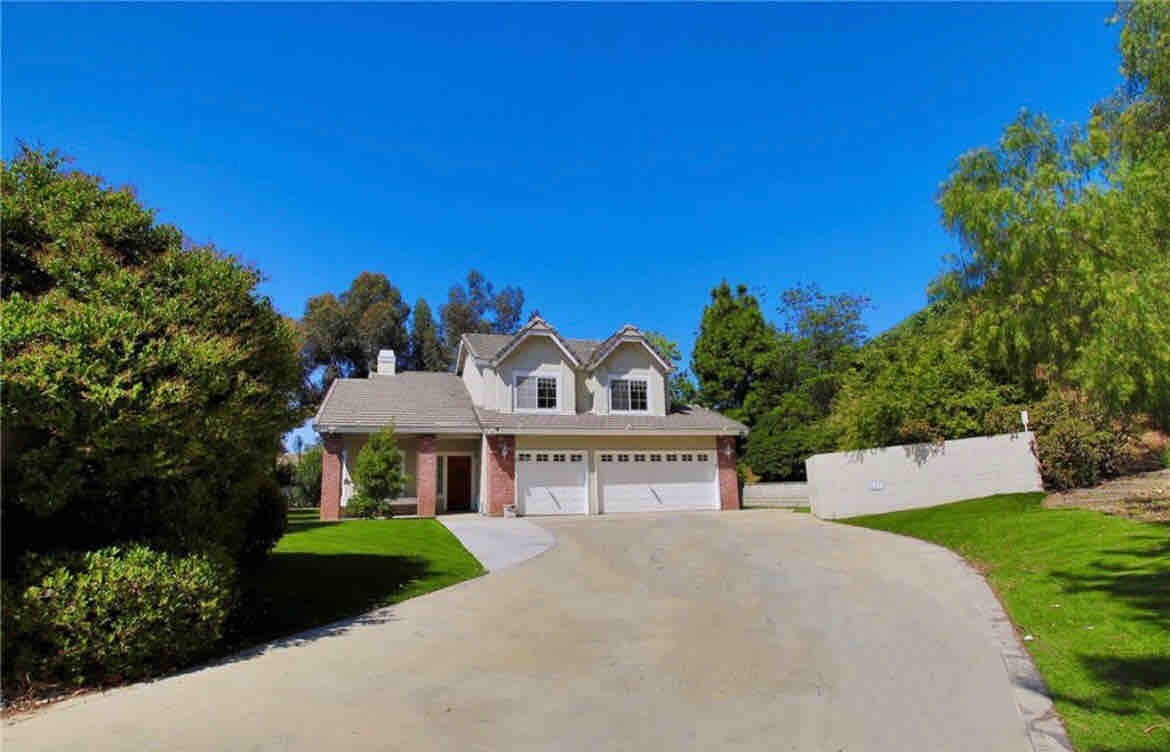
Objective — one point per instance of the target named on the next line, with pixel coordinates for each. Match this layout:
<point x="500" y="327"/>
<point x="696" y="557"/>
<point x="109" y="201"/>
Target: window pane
<point x="638" y="399"/>
<point x="526" y="393"/>
<point x="619" y="394"/>
<point x="536" y="393"/>
<point x="546" y="393"/>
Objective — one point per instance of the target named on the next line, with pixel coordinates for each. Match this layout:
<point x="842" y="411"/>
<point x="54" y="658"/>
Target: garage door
<point x="652" y="480"/>
<point x="552" y="482"/>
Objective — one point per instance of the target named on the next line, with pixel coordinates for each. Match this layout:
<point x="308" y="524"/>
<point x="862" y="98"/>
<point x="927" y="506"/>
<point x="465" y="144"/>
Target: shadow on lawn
<point x="294" y="592"/>
<point x="1138" y="576"/>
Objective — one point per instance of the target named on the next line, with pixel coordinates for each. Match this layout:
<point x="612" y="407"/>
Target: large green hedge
<point x="113" y="614"/>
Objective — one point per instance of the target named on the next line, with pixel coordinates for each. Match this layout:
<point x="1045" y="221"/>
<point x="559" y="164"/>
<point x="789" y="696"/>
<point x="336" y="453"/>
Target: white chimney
<point x="386" y="362"/>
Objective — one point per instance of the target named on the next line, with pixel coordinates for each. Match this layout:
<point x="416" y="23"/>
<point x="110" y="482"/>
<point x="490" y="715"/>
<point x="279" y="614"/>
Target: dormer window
<point x="629" y="395"/>
<point x="536" y="392"/>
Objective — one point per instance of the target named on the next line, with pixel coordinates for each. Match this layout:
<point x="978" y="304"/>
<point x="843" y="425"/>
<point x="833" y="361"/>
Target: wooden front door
<point x="458" y="484"/>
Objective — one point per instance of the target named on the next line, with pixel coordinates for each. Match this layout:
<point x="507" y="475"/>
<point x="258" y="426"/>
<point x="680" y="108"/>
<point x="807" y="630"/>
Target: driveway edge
<point x="499" y="542"/>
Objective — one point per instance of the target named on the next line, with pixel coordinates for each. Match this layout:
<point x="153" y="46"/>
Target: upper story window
<point x="628" y="395"/>
<point x="535" y="392"/>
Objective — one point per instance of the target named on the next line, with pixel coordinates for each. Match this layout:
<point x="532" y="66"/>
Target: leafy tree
<point x="426" y="351"/>
<point x="916" y="383"/>
<point x="830" y="326"/>
<point x="785" y="437"/>
<point x="344" y="334"/>
<point x="735" y="351"/>
<point x="147" y="384"/>
<point x="1064" y="258"/>
<point x="307" y="477"/>
<point x="682" y="390"/>
<point x="378" y="475"/>
<point x="477" y="307"/>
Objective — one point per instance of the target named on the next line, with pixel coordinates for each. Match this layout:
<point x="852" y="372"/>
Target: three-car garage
<point x="558" y="481"/>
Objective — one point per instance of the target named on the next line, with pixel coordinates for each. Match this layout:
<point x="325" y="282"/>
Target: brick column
<point x="426" y="476"/>
<point x="501" y="474"/>
<point x="728" y="480"/>
<point x="333" y="445"/>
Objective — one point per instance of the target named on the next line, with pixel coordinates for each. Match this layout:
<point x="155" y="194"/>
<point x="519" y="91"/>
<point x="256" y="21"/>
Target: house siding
<point x="629" y="358"/>
<point x="537" y="353"/>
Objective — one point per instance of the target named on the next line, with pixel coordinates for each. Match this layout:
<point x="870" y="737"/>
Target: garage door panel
<point x="653" y="480"/>
<point x="552" y="482"/>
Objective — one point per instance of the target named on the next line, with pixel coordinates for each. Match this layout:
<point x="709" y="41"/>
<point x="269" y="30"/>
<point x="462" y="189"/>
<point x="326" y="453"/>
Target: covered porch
<point x="444" y="473"/>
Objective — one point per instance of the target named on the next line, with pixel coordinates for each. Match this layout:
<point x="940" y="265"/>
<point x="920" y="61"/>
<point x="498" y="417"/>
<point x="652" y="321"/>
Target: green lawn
<point x="1092" y="589"/>
<point x="324" y="571"/>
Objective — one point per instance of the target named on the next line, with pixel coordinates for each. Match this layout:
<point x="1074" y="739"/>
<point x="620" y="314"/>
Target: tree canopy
<point x="476" y="306"/>
<point x="344" y="334"/>
<point x="426" y="350"/>
<point x="1065" y="238"/>
<point x="147" y="383"/>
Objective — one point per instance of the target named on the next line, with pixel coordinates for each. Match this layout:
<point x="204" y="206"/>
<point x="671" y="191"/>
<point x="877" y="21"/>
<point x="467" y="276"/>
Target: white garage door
<point x="552" y="481"/>
<point x="653" y="480"/>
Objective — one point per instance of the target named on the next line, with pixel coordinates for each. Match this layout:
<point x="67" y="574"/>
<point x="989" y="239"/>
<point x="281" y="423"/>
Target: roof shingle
<point x="412" y="400"/>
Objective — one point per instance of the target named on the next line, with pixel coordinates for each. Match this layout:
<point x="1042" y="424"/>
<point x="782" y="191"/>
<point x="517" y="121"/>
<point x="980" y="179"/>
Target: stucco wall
<point x="629" y="359"/>
<point x="473" y="380"/>
<point x="536" y="353"/>
<point x="870" y="481"/>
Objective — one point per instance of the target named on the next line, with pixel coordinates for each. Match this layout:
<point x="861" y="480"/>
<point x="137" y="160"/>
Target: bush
<point x="783" y="439"/>
<point x="366" y="507"/>
<point x="266" y="525"/>
<point x="113" y="614"/>
<point x="306" y="484"/>
<point x="147" y="382"/>
<point x="378" y="472"/>
<point x="1077" y="442"/>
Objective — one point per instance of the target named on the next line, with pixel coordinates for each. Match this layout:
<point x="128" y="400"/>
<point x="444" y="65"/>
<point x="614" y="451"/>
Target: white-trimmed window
<point x="536" y="391"/>
<point x="629" y="395"/>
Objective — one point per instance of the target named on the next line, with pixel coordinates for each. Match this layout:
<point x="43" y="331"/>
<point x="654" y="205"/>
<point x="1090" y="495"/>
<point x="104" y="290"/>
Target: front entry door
<point x="458" y="484"/>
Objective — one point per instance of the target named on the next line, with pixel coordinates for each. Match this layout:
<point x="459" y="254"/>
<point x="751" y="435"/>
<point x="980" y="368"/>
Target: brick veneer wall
<point x="427" y="477"/>
<point x="501" y="474"/>
<point x="331" y="476"/>
<point x="728" y="480"/>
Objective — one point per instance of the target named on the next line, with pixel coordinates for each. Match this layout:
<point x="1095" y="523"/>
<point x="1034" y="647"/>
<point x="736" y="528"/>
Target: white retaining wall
<point x="870" y="481"/>
<point x="775" y="495"/>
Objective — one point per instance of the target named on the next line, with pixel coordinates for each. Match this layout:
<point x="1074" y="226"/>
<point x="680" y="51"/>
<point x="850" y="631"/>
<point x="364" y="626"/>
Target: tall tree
<point x="477" y="307"/>
<point x="682" y="390"/>
<point x="1065" y="238"/>
<point x="426" y="351"/>
<point x="146" y="381"/>
<point x="344" y="334"/>
<point x="735" y="351"/>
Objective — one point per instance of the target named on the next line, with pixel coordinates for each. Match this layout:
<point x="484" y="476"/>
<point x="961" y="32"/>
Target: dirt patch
<point x="1145" y="496"/>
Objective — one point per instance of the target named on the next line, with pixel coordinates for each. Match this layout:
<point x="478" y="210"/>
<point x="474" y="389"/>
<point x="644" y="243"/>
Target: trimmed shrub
<point x="267" y="523"/>
<point x="1077" y="442"/>
<point x="378" y="471"/>
<point x="113" y="614"/>
<point x="366" y="507"/>
<point x="306" y="483"/>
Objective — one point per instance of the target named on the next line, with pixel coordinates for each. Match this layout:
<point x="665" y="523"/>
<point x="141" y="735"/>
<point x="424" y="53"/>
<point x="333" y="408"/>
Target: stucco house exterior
<point x="536" y="424"/>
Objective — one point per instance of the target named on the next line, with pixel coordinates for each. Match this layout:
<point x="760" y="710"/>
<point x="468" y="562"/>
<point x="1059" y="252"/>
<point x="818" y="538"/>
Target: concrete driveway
<point x="760" y="630"/>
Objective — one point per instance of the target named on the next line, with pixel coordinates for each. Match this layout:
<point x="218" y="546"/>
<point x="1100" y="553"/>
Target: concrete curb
<point x="1046" y="732"/>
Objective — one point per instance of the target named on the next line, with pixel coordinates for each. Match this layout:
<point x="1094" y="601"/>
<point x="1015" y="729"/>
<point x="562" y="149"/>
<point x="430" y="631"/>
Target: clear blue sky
<point x="614" y="161"/>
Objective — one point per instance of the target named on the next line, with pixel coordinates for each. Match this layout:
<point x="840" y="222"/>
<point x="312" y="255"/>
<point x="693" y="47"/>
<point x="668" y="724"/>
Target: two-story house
<point x="537" y="423"/>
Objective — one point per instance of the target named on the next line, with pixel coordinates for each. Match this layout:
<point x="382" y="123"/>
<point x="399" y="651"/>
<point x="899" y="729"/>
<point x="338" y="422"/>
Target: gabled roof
<point x="538" y="327"/>
<point x="415" y="401"/>
<point x="587" y="353"/>
<point x="628" y="333"/>
<point x="488" y="346"/>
